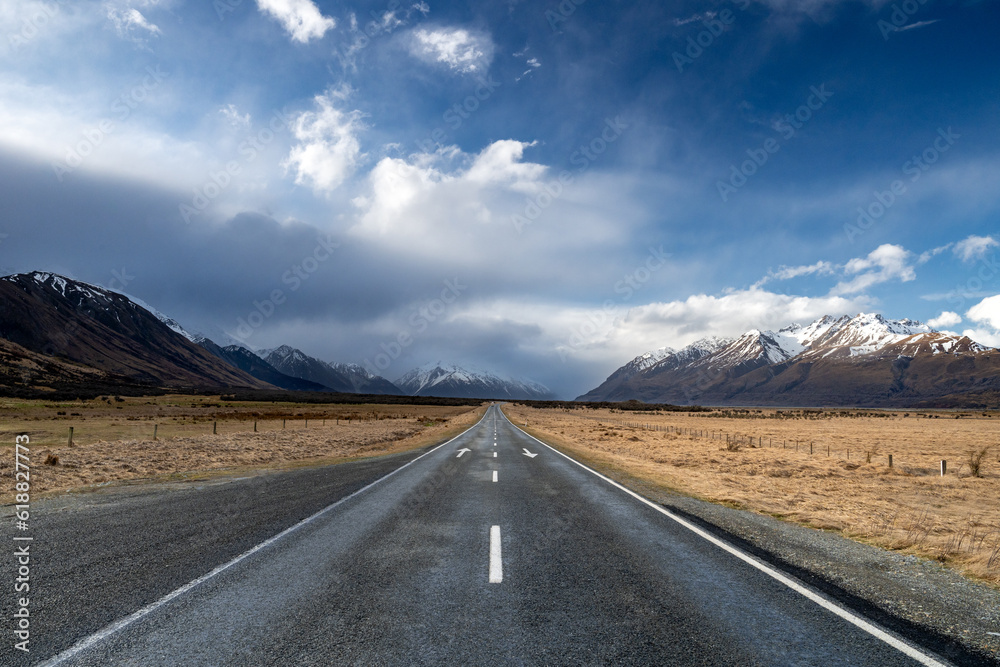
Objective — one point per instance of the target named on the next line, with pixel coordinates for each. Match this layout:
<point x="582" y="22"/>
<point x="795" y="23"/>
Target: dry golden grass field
<point x="909" y="507"/>
<point x="113" y="439"/>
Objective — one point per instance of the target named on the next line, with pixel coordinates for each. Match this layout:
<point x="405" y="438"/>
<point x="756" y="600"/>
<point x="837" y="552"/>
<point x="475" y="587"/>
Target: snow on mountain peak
<point x="439" y="378"/>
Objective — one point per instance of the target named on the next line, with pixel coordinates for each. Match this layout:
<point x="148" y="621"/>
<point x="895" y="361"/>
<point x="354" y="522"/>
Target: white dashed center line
<point x="496" y="566"/>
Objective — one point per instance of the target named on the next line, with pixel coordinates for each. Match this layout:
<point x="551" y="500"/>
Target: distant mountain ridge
<point x="349" y="378"/>
<point x="861" y="360"/>
<point x="439" y="379"/>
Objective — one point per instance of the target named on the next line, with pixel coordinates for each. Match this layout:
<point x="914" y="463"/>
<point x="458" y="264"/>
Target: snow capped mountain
<point x="644" y="361"/>
<point x="438" y="379"/>
<point x="863" y="334"/>
<point x="116" y="340"/>
<point x="348" y="378"/>
<point x="779" y="361"/>
<point x="704" y="347"/>
<point x="75" y="292"/>
<point x="932" y="343"/>
<point x="173" y="324"/>
<point x="755" y="348"/>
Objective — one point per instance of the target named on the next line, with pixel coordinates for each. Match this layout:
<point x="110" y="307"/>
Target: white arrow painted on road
<point x="529" y="454"/>
<point x="462" y="451"/>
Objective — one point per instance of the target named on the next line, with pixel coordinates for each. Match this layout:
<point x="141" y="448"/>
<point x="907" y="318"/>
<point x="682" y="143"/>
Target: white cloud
<point x="363" y="34"/>
<point x="609" y="337"/>
<point x="912" y="26"/>
<point x="887" y="262"/>
<point x="986" y="314"/>
<point x="694" y="17"/>
<point x="928" y="255"/>
<point x="328" y="150"/>
<point x="130" y="24"/>
<point x="731" y="314"/>
<point x="986" y="311"/>
<point x="532" y="64"/>
<point x="788" y="272"/>
<point x="301" y="18"/>
<point x="460" y="49"/>
<point x="457" y="208"/>
<point x="500" y="163"/>
<point x="65" y="130"/>
<point x="233" y="117"/>
<point x="945" y="319"/>
<point x="429" y="192"/>
<point x="974" y="247"/>
<point x="984" y="336"/>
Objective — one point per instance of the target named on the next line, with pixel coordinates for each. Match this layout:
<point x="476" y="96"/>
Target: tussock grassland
<point x="113" y="439"/>
<point x="909" y="507"/>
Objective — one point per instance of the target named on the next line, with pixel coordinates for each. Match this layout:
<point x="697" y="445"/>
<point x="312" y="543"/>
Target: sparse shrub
<point x="994" y="560"/>
<point x="733" y="445"/>
<point x="975" y="461"/>
<point x="51" y="460"/>
<point x="871" y="451"/>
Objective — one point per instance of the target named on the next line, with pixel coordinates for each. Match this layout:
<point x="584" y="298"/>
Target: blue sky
<point x="541" y="189"/>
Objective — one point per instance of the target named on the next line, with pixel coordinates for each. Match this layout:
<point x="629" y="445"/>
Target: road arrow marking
<point x="529" y="454"/>
<point x="462" y="451"/>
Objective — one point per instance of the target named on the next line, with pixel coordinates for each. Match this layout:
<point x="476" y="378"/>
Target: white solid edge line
<point x="494" y="473"/>
<point x="120" y="624"/>
<point x="496" y="562"/>
<point x="822" y="601"/>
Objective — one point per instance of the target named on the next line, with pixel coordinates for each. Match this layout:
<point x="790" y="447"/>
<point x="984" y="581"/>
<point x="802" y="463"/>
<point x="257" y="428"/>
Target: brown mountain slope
<point x="83" y="327"/>
<point x="946" y="380"/>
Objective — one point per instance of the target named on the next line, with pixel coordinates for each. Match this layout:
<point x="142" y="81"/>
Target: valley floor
<point x="197" y="437"/>
<point x="844" y="485"/>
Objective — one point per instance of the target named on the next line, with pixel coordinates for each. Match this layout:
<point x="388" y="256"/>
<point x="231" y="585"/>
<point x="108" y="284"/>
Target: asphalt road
<point x="490" y="549"/>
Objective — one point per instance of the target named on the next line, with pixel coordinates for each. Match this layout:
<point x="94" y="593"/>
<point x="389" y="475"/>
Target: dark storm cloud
<point x="130" y="237"/>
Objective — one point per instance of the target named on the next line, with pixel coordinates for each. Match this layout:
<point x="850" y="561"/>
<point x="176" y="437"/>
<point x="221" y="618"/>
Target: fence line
<point x="741" y="440"/>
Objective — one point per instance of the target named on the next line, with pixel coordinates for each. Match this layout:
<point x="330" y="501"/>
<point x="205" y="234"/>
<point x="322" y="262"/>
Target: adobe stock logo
<point x="915" y="168"/>
<point x="714" y="25"/>
<point x="788" y="126"/>
<point x="419" y="321"/>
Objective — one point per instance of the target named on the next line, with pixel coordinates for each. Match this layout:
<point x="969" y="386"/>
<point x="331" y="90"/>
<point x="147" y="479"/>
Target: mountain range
<point x="61" y="337"/>
<point x="862" y="360"/>
<point x="439" y="379"/>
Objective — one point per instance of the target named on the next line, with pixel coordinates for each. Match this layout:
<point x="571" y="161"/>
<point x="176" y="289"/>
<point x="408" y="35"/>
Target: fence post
<point x="282" y="423"/>
<point x="215" y="427"/>
<point x="255" y="426"/>
<point x="155" y="429"/>
<point x="70" y="441"/>
<point x="890" y="460"/>
<point x="810" y="449"/>
<point x="944" y="467"/>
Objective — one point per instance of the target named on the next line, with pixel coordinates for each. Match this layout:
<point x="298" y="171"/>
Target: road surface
<point x="491" y="549"/>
